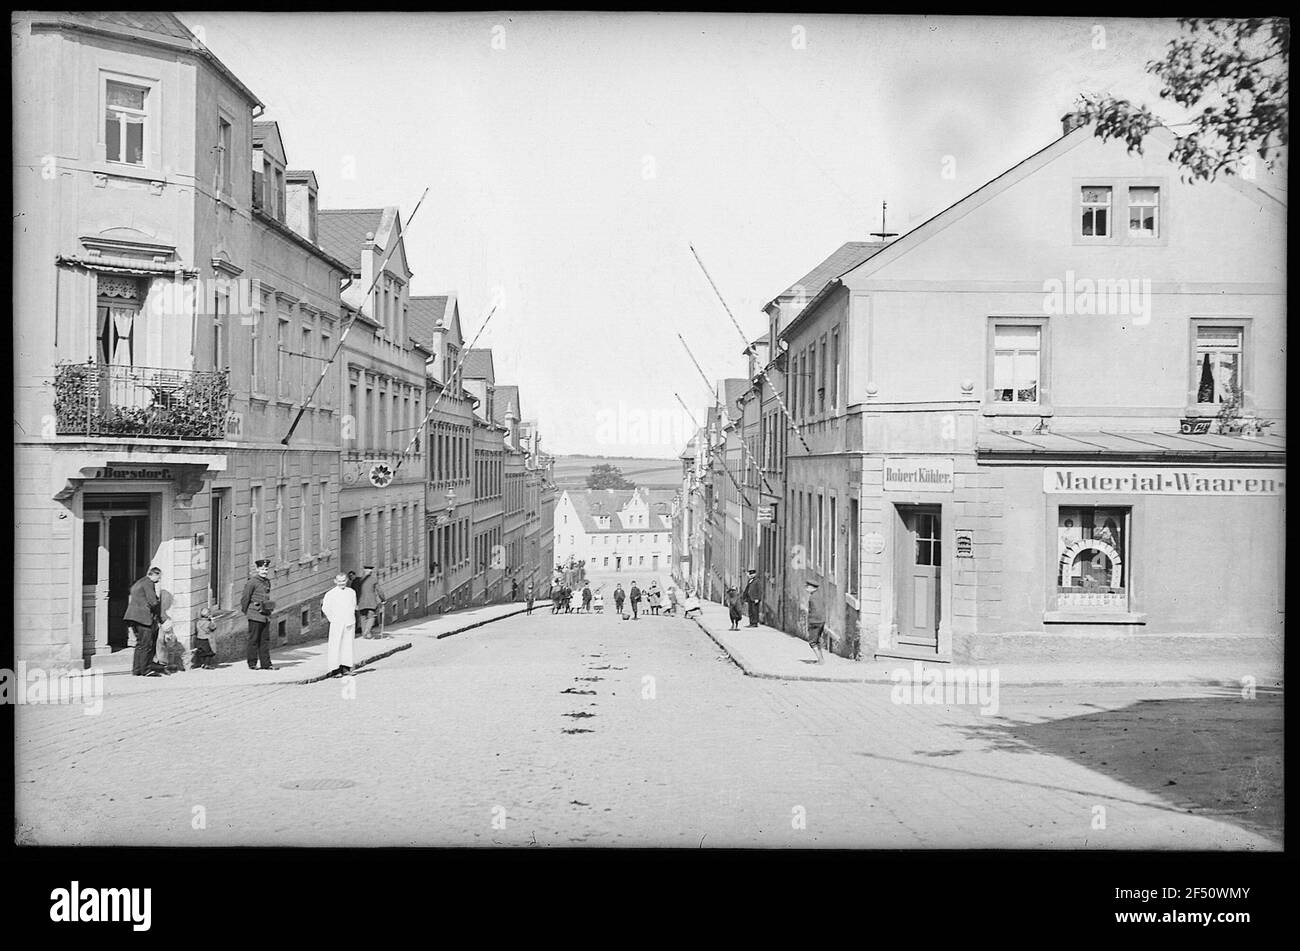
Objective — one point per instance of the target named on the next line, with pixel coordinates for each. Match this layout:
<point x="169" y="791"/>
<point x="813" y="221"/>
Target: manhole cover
<point x="312" y="785"/>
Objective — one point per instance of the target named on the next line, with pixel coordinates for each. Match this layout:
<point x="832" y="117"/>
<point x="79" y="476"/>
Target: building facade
<point x="615" y="530"/>
<point x="132" y="229"/>
<point x="1041" y="402"/>
<point x="382" y="392"/>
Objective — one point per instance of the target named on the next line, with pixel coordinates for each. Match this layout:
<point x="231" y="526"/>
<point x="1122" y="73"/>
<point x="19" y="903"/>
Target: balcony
<point x="92" y="399"/>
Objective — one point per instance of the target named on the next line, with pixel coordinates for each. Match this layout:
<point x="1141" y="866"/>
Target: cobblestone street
<point x="586" y="730"/>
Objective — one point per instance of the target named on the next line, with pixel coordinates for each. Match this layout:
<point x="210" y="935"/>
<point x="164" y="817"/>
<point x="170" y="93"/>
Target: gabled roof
<point x="156" y="27"/>
<point x="999" y="184"/>
<point x="151" y="21"/>
<point x="507" y="401"/>
<point x="590" y="504"/>
<point x="733" y="390"/>
<point x="266" y="136"/>
<point x="422" y="316"/>
<point x="848" y="256"/>
<point x="342" y="231"/>
<point x="478" y="365"/>
<point x="303" y="175"/>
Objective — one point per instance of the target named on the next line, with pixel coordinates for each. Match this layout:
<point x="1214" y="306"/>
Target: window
<point x="1217" y="366"/>
<point x="281" y="351"/>
<point x="255" y="517"/>
<point x="220" y="359"/>
<point x="324" y="516"/>
<point x="1016" y="352"/>
<point x="928" y="544"/>
<point x="821" y="386"/>
<point x="835" y="362"/>
<point x="118" y="305"/>
<point x="305" y="361"/>
<point x="1144" y="212"/>
<point x="279" y="523"/>
<point x="304" y="520"/>
<point x="223" y="157"/>
<point x="833" y="546"/>
<point x="1095" y="203"/>
<point x="1092" y="569"/>
<point x="811" y="379"/>
<point x="124" y="121"/>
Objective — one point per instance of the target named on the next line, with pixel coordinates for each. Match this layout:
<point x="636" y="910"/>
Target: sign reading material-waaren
<point x="1152" y="481"/>
<point x="918" y="475"/>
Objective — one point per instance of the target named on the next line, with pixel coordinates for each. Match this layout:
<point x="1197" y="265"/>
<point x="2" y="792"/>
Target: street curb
<point x="369" y="660"/>
<point x="470" y="627"/>
<point x="748" y="670"/>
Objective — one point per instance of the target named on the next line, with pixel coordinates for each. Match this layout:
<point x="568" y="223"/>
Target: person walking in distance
<point x="753" y="596"/>
<point x="634" y="596"/>
<point x="528" y="596"/>
<point x="370" y="598"/>
<point x="816" y="619"/>
<point x="257" y="606"/>
<point x="586" y="598"/>
<point x="619" y="597"/>
<point x="340" y="607"/>
<point x="143" y="609"/>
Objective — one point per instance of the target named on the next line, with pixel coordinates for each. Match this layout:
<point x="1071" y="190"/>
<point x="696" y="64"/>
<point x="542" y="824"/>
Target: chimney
<point x="1071" y="121"/>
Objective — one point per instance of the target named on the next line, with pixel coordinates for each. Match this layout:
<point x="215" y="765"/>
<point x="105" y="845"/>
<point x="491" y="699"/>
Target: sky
<point x="572" y="160"/>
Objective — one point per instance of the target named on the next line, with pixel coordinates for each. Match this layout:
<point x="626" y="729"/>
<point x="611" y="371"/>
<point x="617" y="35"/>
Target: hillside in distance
<point x="571" y="471"/>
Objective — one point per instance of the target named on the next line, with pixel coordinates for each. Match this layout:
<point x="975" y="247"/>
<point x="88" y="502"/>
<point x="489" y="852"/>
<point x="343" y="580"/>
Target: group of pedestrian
<point x="353" y="603"/>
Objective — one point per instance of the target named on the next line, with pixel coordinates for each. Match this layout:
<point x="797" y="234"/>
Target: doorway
<point x="117" y="551"/>
<point x="918" y="557"/>
<point x="349" y="545"/>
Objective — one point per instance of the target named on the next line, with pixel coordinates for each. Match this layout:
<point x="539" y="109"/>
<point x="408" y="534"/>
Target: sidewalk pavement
<point x="770" y="653"/>
<point x="306" y="662"/>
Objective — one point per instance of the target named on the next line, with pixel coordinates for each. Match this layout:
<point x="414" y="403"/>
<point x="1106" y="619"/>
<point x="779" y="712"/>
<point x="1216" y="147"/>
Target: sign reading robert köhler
<point x="1172" y="481"/>
<point x="923" y="474"/>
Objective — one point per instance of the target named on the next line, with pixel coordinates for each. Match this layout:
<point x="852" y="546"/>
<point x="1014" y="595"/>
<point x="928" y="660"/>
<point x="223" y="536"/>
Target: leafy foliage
<point x="606" y="476"/>
<point x="193" y="406"/>
<point x="1235" y="73"/>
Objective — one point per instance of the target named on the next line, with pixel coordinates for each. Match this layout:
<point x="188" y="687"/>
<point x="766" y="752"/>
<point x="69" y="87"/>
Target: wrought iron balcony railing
<point x="93" y="399"/>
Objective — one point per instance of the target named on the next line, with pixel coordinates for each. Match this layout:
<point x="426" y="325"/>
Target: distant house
<point x="616" y="530"/>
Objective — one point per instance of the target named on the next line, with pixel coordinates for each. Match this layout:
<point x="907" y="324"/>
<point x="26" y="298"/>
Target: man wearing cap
<point x="257" y="606"/>
<point x="816" y="619"/>
<point x="340" y="606"/>
<point x="369" y="599"/>
<point x="754" y="595"/>
<point x="142" y="612"/>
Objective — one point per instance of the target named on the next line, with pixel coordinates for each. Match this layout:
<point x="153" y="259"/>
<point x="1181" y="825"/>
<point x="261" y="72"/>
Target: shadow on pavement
<point x="1218" y="756"/>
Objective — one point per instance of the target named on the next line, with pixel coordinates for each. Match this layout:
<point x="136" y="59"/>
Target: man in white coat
<point x="340" y="607"/>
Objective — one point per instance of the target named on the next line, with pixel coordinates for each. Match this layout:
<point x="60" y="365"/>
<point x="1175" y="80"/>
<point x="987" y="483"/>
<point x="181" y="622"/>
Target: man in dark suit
<point x="256" y="604"/>
<point x="754" y="595"/>
<point x="142" y="613"/>
<point x="370" y="599"/>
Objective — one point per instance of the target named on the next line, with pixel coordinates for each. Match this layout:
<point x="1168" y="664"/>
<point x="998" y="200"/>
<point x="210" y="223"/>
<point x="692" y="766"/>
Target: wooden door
<point x="920" y="560"/>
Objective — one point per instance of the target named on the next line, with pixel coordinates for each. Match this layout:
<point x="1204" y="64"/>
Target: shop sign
<point x="1164" y="481"/>
<point x="918" y="475"/>
<point x="766" y="514"/>
<point x="131" y="473"/>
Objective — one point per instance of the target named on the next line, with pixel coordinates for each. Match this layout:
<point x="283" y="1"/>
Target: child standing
<point x="205" y="632"/>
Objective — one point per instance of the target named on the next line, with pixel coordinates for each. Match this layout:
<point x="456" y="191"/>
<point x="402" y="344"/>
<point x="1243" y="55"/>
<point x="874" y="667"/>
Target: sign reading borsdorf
<point x="1152" y="481"/>
<point x="918" y="475"/>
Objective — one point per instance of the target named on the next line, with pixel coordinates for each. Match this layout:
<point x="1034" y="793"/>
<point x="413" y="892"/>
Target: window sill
<point x="1094" y="617"/>
<point x="1016" y="409"/>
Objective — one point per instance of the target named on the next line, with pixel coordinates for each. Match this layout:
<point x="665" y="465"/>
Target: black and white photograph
<point x="606" y="432"/>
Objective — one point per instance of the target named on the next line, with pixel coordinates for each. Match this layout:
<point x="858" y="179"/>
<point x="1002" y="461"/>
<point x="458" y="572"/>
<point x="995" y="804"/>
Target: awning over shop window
<point x="113" y="264"/>
<point x="1104" y="445"/>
